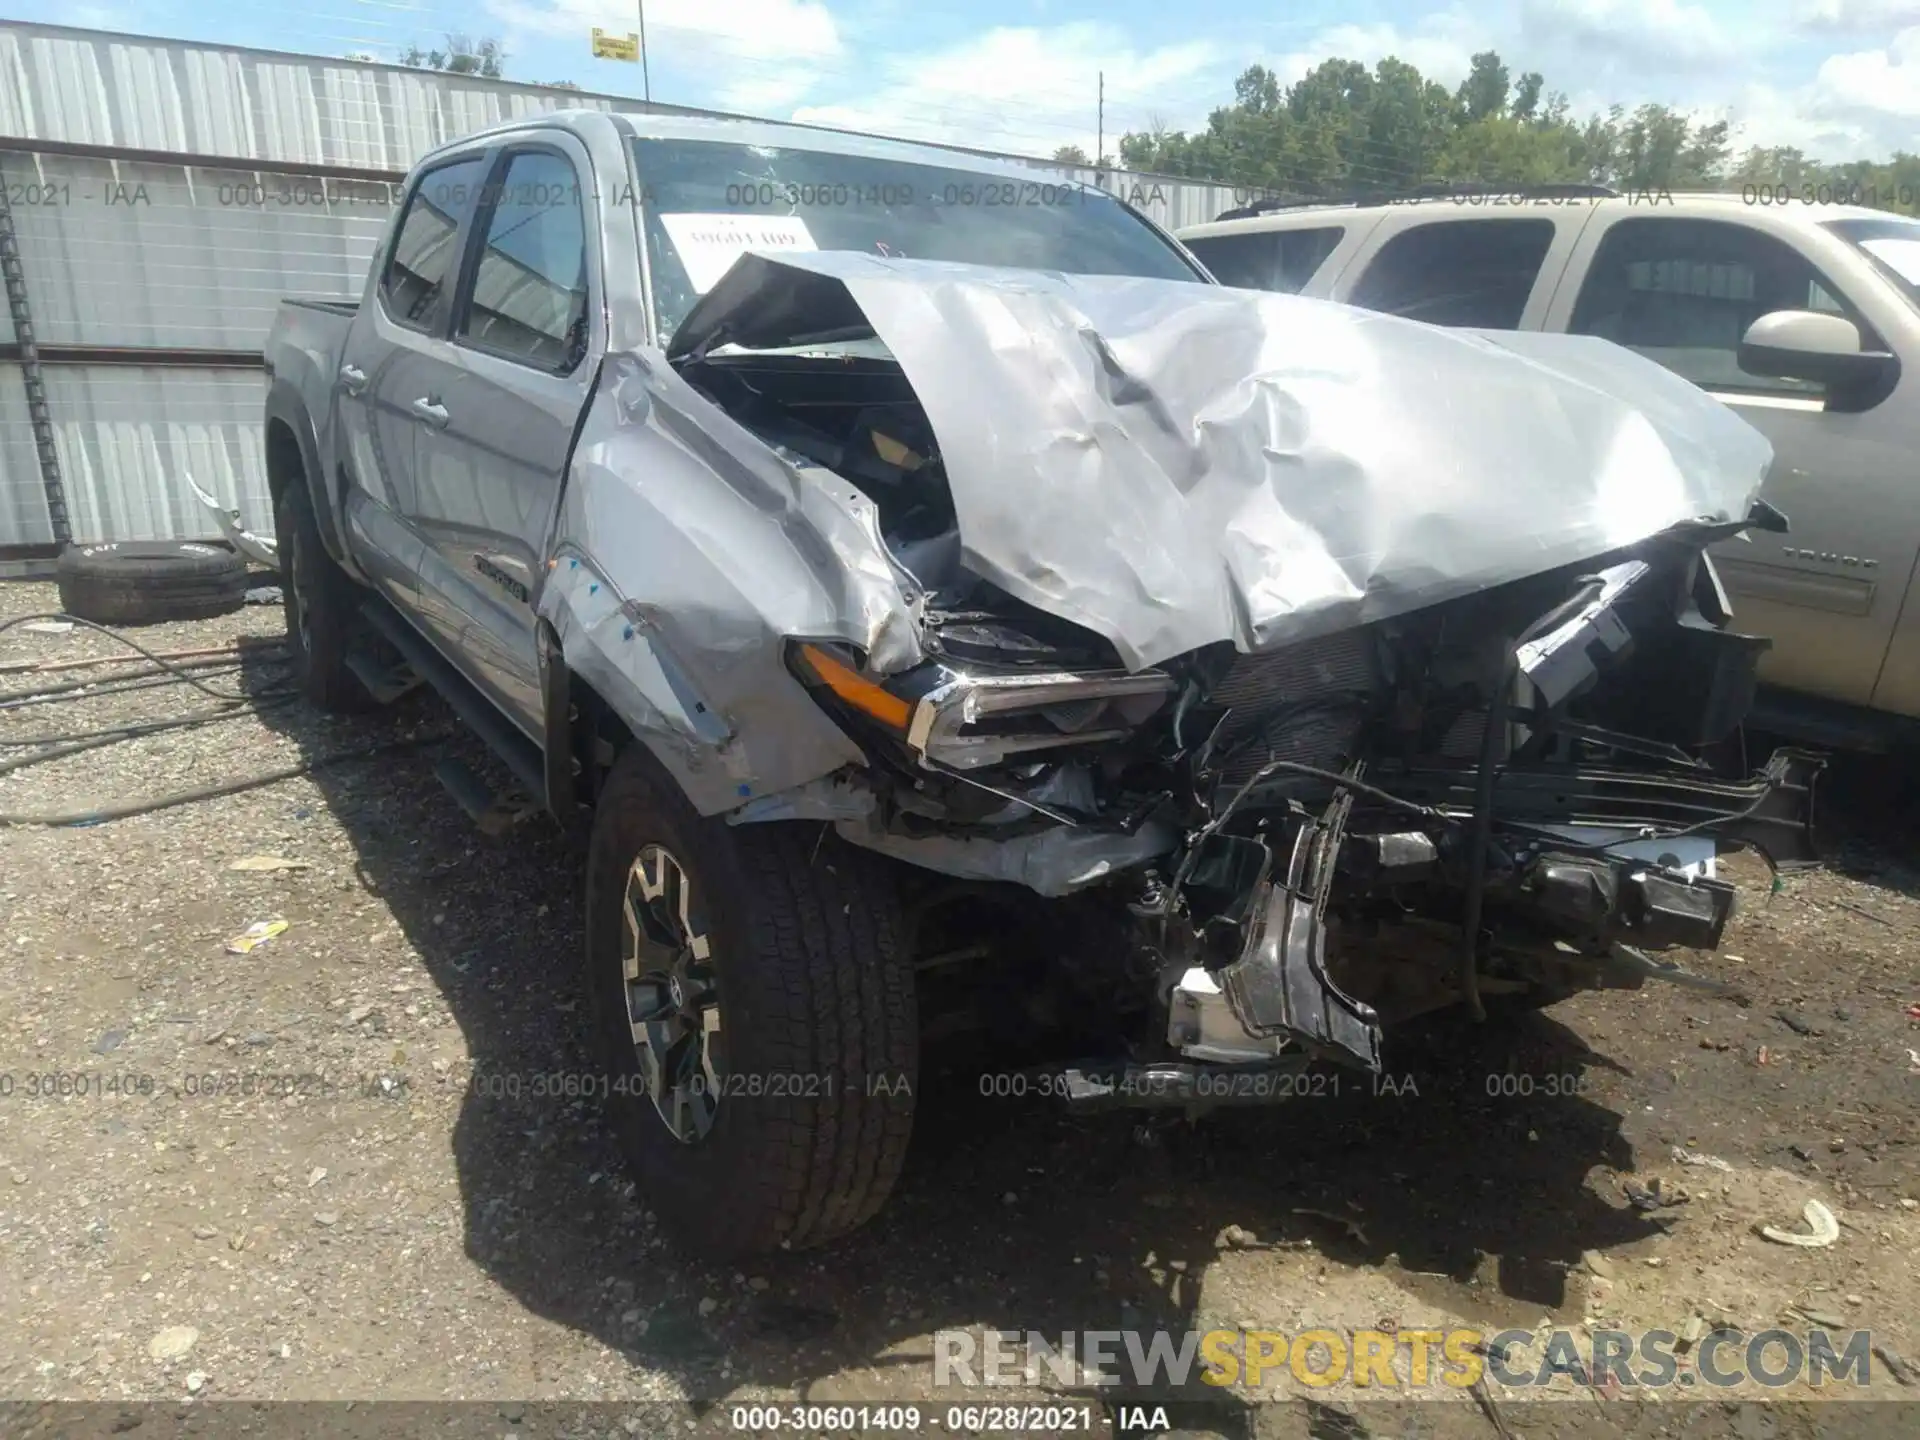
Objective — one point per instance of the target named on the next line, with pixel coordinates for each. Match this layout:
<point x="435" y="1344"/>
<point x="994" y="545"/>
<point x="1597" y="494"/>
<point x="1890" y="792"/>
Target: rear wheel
<point x="322" y="606"/>
<point x="756" y="1016"/>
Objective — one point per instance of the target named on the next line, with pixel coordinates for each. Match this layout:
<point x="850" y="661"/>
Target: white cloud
<point x="1859" y="105"/>
<point x="1440" y="47"/>
<point x="1856" y="16"/>
<point x="102" y="17"/>
<point x="1660" y="35"/>
<point x="1876" y="82"/>
<point x="1030" y="90"/>
<point x="762" y="92"/>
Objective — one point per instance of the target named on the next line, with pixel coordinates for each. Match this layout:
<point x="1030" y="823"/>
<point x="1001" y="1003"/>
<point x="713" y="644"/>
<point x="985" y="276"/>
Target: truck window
<point x="706" y="202"/>
<point x="422" y="258"/>
<point x="1892" y="243"/>
<point x="1458" y="272"/>
<point x="1282" y="260"/>
<point x="529" y="296"/>
<point x="1683" y="292"/>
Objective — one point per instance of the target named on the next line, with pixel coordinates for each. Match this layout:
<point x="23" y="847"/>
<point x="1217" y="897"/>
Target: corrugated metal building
<point x="159" y="197"/>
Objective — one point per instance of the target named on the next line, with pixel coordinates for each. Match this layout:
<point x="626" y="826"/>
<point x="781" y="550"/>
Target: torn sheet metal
<point x="1051" y="862"/>
<point x="254" y="547"/>
<point x="1054" y="861"/>
<point x="1173" y="464"/>
<point x="685" y="554"/>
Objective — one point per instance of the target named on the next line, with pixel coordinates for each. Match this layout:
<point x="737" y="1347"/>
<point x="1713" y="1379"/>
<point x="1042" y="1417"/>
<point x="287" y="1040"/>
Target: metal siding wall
<point x="23" y="495"/>
<point x="128" y="435"/>
<point x="195" y="268"/>
<point x="147" y="94"/>
<point x="198" y="258"/>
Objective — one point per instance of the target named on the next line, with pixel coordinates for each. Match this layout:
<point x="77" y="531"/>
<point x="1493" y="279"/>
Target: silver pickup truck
<point x="955" y="610"/>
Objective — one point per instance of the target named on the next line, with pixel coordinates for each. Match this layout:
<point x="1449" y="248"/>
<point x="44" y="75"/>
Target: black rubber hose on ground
<point x="178" y="670"/>
<point x="102" y="814"/>
<point x="143" y="678"/>
<point x="81" y="741"/>
<point x="232" y="705"/>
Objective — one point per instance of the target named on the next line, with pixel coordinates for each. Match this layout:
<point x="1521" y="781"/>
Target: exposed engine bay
<point x="1498" y="795"/>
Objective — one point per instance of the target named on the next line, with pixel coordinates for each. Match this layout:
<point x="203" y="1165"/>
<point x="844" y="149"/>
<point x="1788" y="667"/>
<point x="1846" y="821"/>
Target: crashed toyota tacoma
<point x="953" y="610"/>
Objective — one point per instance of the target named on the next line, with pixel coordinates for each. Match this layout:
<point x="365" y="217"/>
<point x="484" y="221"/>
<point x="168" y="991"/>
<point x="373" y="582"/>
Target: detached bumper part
<point x="1607" y="898"/>
<point x="1280" y="985"/>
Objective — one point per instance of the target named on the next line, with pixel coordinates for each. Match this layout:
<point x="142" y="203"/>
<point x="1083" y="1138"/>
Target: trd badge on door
<point x="497" y="572"/>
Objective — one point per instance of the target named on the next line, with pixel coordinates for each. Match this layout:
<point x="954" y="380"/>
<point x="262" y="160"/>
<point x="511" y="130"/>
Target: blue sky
<point x="1840" y="78"/>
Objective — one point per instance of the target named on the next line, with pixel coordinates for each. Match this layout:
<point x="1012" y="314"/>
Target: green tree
<point x="461" y="57"/>
<point x="1343" y="128"/>
<point x="1484" y="92"/>
<point x="1526" y="96"/>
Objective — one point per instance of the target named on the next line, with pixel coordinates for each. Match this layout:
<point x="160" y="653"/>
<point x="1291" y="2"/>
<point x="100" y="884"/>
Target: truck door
<point x="381" y="368"/>
<point x="1682" y="291"/>
<point x="508" y="391"/>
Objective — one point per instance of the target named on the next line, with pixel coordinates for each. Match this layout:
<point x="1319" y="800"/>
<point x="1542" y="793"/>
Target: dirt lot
<point x="328" y="1161"/>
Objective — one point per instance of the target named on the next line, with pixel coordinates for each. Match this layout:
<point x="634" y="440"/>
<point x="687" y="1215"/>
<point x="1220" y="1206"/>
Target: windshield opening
<point x="1892" y="244"/>
<point x="704" y="203"/>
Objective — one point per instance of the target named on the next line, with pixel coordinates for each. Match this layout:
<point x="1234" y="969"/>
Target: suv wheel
<point x="322" y="606"/>
<point x="756" y="1017"/>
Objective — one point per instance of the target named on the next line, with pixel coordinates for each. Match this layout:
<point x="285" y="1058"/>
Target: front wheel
<point x="756" y="1016"/>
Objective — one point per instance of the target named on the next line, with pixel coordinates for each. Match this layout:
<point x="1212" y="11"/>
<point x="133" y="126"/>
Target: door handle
<point x="353" y="379"/>
<point x="431" y="411"/>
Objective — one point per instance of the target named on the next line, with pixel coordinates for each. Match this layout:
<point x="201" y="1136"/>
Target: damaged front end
<point x="1230" y="621"/>
<point x="1314" y="843"/>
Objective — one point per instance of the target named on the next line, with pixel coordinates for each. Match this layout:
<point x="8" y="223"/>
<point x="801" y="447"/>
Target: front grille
<point x="1463" y="737"/>
<point x="1342" y="662"/>
<point x="1303" y="703"/>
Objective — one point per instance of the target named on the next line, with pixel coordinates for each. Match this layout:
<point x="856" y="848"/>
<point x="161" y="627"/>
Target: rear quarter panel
<point x="303" y="352"/>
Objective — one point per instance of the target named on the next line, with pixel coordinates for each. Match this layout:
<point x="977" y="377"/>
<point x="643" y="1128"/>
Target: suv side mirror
<point x="1825" y="349"/>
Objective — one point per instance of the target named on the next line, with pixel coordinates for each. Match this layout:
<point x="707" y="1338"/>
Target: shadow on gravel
<point x="1868" y="816"/>
<point x="1011" y="1215"/>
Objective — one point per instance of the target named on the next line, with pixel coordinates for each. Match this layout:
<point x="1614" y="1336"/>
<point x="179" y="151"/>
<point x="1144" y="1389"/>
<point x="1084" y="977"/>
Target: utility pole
<point x="1100" y="130"/>
<point x="646" y="80"/>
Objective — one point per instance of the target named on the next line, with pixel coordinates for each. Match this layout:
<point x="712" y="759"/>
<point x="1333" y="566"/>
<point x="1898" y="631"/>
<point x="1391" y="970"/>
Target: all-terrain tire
<point x="817" y="1013"/>
<point x="322" y="606"/>
<point x="145" y="582"/>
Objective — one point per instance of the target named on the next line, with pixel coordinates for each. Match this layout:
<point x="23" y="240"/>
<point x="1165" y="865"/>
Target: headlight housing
<point x="963" y="720"/>
<point x="971" y="720"/>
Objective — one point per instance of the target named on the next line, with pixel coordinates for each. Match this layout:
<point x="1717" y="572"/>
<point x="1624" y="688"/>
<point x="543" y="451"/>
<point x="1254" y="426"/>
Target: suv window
<point x="1683" y="292"/>
<point x="422" y="259"/>
<point x="529" y="296"/>
<point x="1282" y="260"/>
<point x="1458" y="272"/>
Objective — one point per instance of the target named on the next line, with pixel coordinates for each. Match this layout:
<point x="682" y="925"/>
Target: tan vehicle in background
<point x="1803" y="317"/>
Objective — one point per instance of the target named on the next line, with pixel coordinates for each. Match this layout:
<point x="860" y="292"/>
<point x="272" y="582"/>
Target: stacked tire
<point x="145" y="582"/>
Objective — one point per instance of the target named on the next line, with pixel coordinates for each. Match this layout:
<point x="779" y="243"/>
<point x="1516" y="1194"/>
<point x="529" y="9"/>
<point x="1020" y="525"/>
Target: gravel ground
<point x="319" y="1170"/>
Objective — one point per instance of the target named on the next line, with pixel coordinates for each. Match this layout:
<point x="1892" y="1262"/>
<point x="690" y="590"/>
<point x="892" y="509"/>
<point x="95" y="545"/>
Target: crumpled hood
<point x="1174" y="464"/>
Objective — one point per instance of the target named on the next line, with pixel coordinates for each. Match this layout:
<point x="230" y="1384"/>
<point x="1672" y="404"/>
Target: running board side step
<point x="385" y="682"/>
<point x="518" y="753"/>
<point x="492" y="813"/>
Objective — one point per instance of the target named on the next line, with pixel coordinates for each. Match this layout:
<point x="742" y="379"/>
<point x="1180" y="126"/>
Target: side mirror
<point x="1825" y="349"/>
